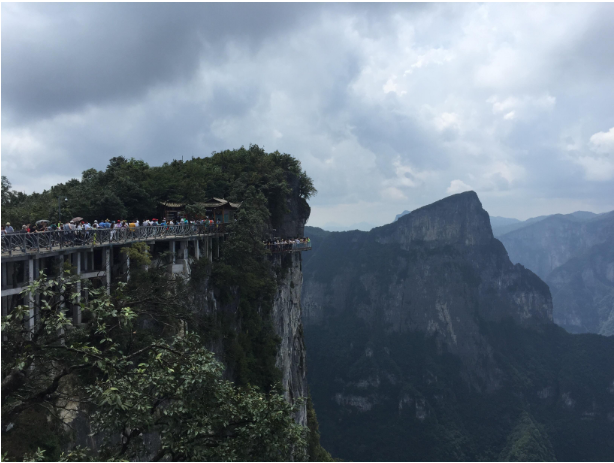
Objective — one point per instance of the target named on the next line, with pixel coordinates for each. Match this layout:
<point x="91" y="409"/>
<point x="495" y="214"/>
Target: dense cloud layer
<point x="388" y="106"/>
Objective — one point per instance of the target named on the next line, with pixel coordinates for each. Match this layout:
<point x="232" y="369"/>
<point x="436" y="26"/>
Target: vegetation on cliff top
<point x="130" y="188"/>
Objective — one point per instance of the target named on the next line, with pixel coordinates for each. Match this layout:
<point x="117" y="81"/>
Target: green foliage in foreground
<point x="131" y="384"/>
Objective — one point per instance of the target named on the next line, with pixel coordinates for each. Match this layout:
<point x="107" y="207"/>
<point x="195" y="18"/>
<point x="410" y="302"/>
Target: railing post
<point x="108" y="269"/>
<point x="76" y="314"/>
<point x="30" y="297"/>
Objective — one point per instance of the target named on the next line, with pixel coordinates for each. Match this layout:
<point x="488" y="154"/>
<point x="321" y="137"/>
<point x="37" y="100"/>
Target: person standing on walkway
<point x="8" y="228"/>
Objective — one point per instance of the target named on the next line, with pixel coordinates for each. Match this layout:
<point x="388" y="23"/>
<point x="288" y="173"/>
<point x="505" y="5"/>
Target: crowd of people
<point x="78" y="231"/>
<point x="287" y="244"/>
<point x="77" y="225"/>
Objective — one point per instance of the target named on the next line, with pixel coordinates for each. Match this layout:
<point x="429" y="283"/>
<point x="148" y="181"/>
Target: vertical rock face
<point x="434" y="270"/>
<point x="292" y="223"/>
<point x="288" y="326"/>
<point x="287" y="315"/>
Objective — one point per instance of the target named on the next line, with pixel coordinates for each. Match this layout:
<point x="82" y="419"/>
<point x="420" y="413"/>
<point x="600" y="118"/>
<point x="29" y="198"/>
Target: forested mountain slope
<point x="426" y="343"/>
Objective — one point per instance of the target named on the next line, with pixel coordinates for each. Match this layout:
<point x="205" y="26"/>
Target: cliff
<point x="438" y="270"/>
<point x="425" y="342"/>
<point x="287" y="320"/>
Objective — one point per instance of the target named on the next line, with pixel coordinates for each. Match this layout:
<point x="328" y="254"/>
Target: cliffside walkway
<point x="21" y="244"/>
<point x="96" y="253"/>
<point x="288" y="247"/>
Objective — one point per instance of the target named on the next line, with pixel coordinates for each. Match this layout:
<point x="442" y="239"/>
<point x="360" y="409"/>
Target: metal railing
<point x="288" y="247"/>
<point x="23" y="243"/>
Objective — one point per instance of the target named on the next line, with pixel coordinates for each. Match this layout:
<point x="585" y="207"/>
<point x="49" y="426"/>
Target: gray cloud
<point x="388" y="106"/>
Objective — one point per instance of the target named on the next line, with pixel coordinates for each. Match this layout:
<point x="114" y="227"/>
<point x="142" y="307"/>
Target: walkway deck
<point x="45" y="243"/>
<point x="17" y="246"/>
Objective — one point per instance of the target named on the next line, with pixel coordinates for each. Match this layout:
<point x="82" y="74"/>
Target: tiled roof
<point x="170" y="204"/>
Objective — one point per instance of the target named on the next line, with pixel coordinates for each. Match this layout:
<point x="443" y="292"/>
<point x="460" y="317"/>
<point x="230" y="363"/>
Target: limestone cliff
<point x="425" y="342"/>
<point x="288" y="326"/>
<point x="437" y="270"/>
<point x="286" y="313"/>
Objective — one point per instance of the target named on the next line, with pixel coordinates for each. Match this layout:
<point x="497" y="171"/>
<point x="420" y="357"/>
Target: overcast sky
<point x="388" y="106"/>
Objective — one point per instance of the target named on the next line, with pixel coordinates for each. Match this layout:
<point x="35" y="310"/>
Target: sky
<point x="389" y="107"/>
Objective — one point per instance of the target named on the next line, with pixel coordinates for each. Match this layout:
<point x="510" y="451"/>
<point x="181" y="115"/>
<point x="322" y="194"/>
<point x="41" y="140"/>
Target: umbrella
<point x="42" y="221"/>
<point x="76" y="219"/>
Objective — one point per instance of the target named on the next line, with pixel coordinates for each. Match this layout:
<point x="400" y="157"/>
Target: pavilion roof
<point x="218" y="202"/>
<point x="171" y="204"/>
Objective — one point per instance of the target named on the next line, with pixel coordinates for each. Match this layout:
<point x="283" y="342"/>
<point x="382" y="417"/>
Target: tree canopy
<point x="130" y="188"/>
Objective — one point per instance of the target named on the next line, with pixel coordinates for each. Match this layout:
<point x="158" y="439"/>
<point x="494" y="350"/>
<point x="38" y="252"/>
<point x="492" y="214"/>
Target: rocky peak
<point x="435" y="270"/>
<point x="457" y="219"/>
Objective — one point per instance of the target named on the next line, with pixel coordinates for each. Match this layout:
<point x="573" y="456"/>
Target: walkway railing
<point x="23" y="243"/>
<point x="289" y="247"/>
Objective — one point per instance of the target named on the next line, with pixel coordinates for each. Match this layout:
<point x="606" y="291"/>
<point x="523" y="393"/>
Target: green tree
<point x="132" y="382"/>
<point x="6" y="192"/>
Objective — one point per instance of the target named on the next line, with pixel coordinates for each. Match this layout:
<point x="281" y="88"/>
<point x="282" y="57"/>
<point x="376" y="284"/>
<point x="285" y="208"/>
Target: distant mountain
<point x="583" y="291"/>
<point x="502" y="221"/>
<point x="364" y="226"/>
<point x="317" y="237"/>
<point x="583" y="215"/>
<point x="424" y="342"/>
<point x="572" y="254"/>
<point x="503" y="225"/>
<point x="401" y="215"/>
